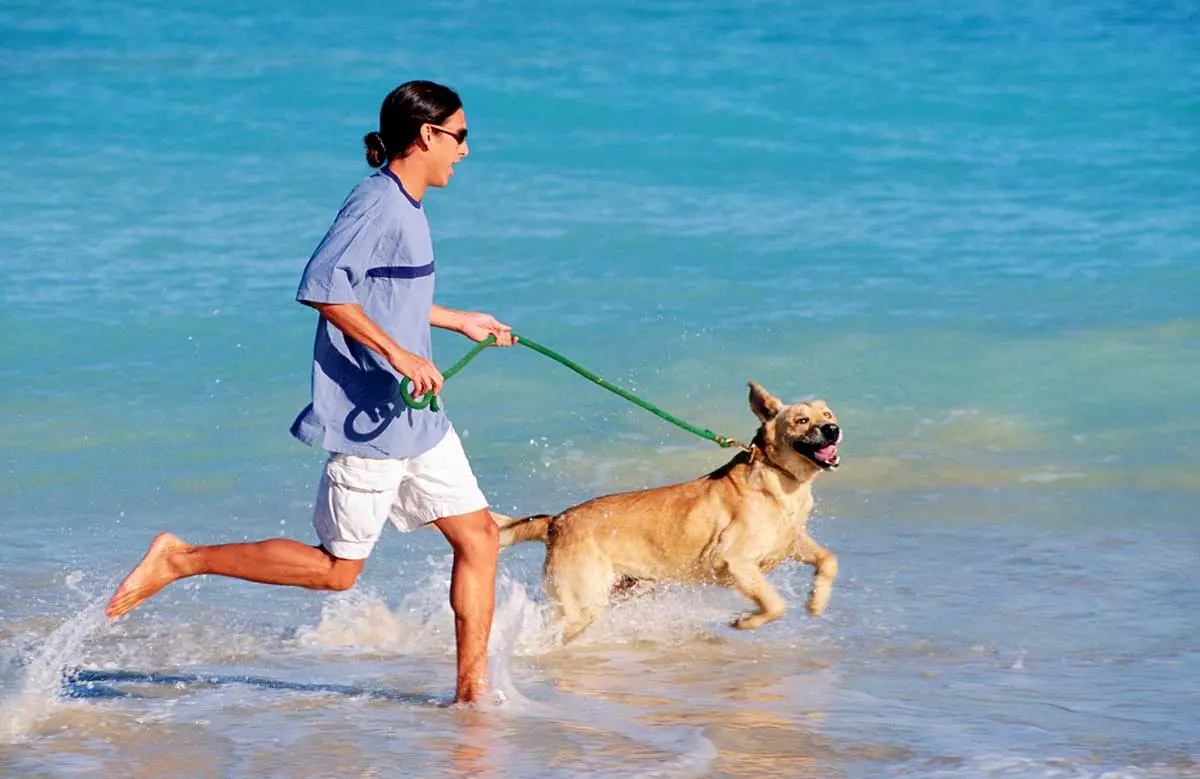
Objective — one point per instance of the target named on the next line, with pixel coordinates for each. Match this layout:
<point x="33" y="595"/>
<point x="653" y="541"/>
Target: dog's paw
<point x="817" y="601"/>
<point x="749" y="621"/>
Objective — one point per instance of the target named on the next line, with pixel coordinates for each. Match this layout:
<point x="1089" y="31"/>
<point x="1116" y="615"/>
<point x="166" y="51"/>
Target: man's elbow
<point x="323" y="307"/>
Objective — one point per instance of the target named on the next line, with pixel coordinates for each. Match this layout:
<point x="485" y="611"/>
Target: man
<point x="371" y="279"/>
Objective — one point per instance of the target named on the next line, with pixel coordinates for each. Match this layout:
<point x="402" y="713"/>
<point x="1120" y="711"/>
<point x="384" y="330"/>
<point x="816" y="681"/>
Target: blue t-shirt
<point x="378" y="253"/>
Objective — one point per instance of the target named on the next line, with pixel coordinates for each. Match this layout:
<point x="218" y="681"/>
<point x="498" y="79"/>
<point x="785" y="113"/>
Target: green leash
<point x="430" y="400"/>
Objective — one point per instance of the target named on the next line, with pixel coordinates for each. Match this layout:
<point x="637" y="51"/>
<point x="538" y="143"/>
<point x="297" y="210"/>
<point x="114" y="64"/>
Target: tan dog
<point x="729" y="527"/>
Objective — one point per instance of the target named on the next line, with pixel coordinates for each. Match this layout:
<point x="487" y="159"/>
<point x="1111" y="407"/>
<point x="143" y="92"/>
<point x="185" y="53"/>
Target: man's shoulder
<point x="370" y="197"/>
<point x="378" y="200"/>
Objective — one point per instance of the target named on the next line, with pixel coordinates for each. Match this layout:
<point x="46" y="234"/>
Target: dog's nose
<point x="831" y="432"/>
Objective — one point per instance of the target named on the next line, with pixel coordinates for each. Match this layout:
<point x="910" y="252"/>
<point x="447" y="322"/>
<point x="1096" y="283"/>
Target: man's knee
<point x="485" y="539"/>
<point x="340" y="582"/>
<point x="480" y="541"/>
<point x="342" y="574"/>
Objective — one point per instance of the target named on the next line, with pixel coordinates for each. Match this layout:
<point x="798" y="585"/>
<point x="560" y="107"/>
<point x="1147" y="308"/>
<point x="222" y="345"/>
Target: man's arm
<point x="446" y="318"/>
<point x="354" y="322"/>
<point x="472" y="324"/>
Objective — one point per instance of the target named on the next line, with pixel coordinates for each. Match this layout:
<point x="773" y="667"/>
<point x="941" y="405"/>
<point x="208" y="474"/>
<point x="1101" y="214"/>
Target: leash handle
<point x="429" y="400"/>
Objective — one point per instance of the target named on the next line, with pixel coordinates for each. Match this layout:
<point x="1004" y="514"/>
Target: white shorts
<point x="358" y="495"/>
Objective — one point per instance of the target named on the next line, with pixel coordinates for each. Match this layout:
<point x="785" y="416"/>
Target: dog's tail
<point x="521" y="529"/>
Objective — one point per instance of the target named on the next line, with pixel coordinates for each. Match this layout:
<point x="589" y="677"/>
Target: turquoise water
<point x="972" y="228"/>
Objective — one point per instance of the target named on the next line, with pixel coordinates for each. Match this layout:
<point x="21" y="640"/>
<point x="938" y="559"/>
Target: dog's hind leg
<point x="825" y="570"/>
<point x="579" y="586"/>
<point x="749" y="580"/>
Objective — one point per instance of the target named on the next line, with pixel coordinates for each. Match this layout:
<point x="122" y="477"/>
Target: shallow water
<point x="971" y="228"/>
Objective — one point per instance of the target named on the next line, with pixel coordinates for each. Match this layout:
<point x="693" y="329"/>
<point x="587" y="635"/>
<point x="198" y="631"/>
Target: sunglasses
<point x="458" y="135"/>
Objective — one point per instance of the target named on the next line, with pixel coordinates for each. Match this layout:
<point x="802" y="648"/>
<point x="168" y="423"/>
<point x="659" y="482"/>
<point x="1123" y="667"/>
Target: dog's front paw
<point x="818" y="599"/>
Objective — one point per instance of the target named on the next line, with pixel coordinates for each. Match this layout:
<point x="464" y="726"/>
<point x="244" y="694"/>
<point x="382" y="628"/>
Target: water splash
<point x="519" y="622"/>
<point x="423" y="622"/>
<point x="41" y="689"/>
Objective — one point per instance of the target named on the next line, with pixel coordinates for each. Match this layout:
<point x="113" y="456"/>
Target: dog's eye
<point x="803" y="420"/>
<point x="828" y="415"/>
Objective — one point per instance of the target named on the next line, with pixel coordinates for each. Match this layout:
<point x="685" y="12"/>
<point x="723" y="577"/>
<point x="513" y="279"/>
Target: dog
<point x="729" y="527"/>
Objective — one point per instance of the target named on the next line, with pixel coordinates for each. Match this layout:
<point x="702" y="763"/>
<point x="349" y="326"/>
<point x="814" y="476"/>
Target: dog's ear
<point x="764" y="405"/>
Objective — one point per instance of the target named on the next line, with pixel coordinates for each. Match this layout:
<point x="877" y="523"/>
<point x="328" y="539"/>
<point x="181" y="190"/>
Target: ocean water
<point x="973" y="228"/>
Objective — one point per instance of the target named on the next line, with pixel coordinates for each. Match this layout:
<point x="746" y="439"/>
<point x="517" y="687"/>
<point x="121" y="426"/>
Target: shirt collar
<point x="388" y="172"/>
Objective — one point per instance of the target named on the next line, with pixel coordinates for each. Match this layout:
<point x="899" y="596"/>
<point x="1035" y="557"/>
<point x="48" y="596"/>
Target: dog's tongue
<point x="826" y="453"/>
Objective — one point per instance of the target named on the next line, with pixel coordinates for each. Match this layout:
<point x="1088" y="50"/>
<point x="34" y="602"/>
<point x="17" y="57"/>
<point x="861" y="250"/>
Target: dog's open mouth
<point x="824" y="455"/>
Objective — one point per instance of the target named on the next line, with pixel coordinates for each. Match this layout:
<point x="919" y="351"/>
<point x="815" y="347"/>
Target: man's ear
<point x="764" y="405"/>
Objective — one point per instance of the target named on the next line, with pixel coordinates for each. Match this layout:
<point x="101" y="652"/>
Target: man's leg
<point x="351" y="507"/>
<point x="275" y="561"/>
<point x="475" y="539"/>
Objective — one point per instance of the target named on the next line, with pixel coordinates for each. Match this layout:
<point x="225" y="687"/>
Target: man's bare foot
<point x="473" y="699"/>
<point x="474" y="692"/>
<point x="152" y="574"/>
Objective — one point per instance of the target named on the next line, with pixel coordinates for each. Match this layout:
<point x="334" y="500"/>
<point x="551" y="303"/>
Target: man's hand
<point x="423" y="374"/>
<point x="478" y="327"/>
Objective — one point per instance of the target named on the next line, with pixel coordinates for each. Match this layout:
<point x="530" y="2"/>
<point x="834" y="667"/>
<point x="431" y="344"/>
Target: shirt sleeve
<point x="339" y="262"/>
